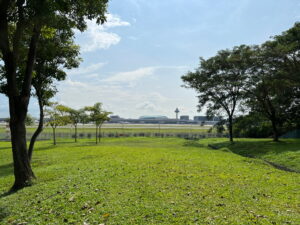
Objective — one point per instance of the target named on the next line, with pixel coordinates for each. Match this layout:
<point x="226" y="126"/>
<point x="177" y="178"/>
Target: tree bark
<point x="75" y="133"/>
<point x="38" y="130"/>
<point x="54" y="137"/>
<point x="22" y="169"/>
<point x="99" y="133"/>
<point x="18" y="99"/>
<point x="275" y="130"/>
<point x="96" y="134"/>
<point x="230" y="129"/>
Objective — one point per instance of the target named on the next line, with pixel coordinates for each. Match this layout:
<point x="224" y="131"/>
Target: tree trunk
<point x="230" y="129"/>
<point x="54" y="137"/>
<point x="22" y="169"/>
<point x="75" y="133"/>
<point x="18" y="98"/>
<point x="38" y="130"/>
<point x="96" y="134"/>
<point x="99" y="133"/>
<point x="275" y="131"/>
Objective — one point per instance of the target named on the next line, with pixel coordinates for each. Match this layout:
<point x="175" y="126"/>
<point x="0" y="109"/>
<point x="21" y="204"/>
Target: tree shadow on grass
<point x="6" y="170"/>
<point x="193" y="144"/>
<point x="3" y="213"/>
<point x="258" y="149"/>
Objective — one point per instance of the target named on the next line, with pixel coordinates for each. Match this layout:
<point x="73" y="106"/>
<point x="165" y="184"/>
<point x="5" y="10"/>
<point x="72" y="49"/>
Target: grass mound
<point x="148" y="181"/>
<point x="284" y="154"/>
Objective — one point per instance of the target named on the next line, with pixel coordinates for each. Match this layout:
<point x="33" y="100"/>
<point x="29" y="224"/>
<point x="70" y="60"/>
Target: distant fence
<point x="64" y="135"/>
<point x="292" y="134"/>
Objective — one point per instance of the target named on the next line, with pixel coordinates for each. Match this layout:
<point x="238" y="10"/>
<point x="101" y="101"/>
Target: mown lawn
<point x="150" y="181"/>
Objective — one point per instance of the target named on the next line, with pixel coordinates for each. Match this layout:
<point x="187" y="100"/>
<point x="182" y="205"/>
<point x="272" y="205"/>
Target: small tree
<point x="75" y="117"/>
<point x="97" y="116"/>
<point x="57" y="117"/>
<point x="219" y="82"/>
<point x="29" y="121"/>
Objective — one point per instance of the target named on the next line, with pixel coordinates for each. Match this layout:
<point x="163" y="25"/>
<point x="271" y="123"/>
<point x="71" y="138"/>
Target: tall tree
<point x="97" y="116"/>
<point x="274" y="89"/>
<point x="219" y="82"/>
<point x="21" y="22"/>
<point x="56" y="51"/>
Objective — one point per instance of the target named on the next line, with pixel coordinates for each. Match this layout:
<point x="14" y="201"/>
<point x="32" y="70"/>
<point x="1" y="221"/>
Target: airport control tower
<point x="176" y="111"/>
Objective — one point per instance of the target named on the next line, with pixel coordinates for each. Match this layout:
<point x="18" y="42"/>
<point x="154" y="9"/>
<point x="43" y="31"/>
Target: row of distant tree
<point x="255" y="88"/>
<point x="56" y="115"/>
<point x="61" y="115"/>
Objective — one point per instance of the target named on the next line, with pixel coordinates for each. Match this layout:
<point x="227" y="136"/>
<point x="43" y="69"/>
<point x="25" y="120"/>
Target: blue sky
<point x="134" y="62"/>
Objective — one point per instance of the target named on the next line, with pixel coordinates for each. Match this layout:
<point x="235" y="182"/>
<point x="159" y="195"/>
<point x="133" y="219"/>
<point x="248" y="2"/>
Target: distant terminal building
<point x="153" y="118"/>
<point x="184" y="117"/>
<point x="200" y="118"/>
<point x="112" y="117"/>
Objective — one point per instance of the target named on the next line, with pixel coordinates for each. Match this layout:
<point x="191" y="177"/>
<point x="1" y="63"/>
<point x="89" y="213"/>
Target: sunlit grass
<point x="149" y="181"/>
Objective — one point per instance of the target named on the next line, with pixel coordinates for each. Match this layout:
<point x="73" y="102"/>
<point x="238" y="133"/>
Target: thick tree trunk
<point x="275" y="130"/>
<point x="22" y="169"/>
<point x="230" y="129"/>
<point x="18" y="98"/>
<point x="38" y="130"/>
<point x="54" y="136"/>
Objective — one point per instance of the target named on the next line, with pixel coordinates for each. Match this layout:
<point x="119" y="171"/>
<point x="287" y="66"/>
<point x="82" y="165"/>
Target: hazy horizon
<point x="133" y="63"/>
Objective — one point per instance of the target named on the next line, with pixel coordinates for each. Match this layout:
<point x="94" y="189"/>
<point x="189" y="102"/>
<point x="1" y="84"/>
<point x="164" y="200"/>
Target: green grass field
<point x="155" y="181"/>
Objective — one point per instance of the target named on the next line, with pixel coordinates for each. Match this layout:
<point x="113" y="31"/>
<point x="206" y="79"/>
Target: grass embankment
<point x="149" y="181"/>
<point x="285" y="154"/>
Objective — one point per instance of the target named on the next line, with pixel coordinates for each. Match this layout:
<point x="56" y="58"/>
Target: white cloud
<point x="88" y="69"/>
<point x="130" y="76"/>
<point x="75" y="83"/>
<point x="148" y="106"/>
<point x="114" y="21"/>
<point x="98" y="37"/>
<point x="119" y="97"/>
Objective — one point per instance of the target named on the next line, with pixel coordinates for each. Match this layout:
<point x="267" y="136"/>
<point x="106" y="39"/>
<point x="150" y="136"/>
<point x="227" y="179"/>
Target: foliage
<point x="253" y="125"/>
<point x="220" y="82"/>
<point x="29" y="121"/>
<point x="153" y="181"/>
<point x="98" y="116"/>
<point x="56" y="115"/>
<point x="21" y="25"/>
<point x="274" y="87"/>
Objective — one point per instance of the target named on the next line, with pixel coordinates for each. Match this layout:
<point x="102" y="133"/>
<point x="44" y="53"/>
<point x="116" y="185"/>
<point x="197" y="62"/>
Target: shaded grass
<point x="149" y="181"/>
<point x="285" y="153"/>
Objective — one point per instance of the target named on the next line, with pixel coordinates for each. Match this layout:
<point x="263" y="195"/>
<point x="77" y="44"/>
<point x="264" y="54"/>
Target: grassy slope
<point x="148" y="181"/>
<point x="285" y="153"/>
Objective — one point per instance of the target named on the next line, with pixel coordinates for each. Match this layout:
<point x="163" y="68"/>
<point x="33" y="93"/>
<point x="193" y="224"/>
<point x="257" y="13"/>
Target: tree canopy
<point x="219" y="82"/>
<point x="21" y="25"/>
